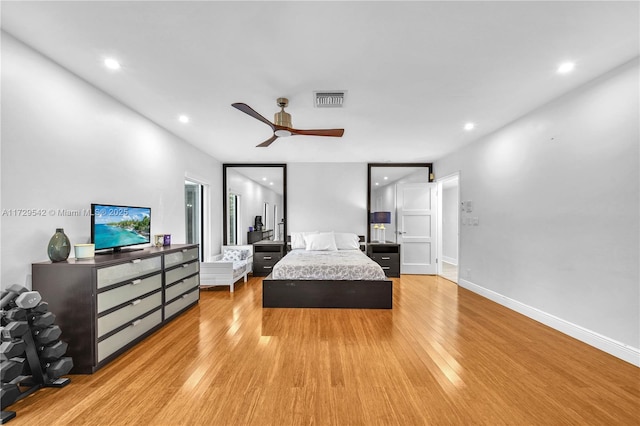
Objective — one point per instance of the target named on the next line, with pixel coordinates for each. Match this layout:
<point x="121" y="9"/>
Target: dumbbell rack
<point x="38" y="376"/>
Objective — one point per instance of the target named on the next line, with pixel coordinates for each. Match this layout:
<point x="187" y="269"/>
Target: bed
<point x="225" y="269"/>
<point x="326" y="275"/>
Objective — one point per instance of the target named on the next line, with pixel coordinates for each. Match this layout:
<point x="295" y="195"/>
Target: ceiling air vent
<point x="329" y="99"/>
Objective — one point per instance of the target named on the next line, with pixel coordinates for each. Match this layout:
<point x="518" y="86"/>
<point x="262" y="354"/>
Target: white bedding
<point x="327" y="265"/>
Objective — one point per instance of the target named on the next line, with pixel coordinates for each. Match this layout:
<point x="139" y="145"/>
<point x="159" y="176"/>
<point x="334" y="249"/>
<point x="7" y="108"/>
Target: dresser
<point x="387" y="255"/>
<point x="265" y="255"/>
<point x="107" y="304"/>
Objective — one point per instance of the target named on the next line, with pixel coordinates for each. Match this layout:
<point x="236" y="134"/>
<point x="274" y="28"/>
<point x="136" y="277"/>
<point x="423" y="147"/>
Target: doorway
<point x="194" y="194"/>
<point x="449" y="227"/>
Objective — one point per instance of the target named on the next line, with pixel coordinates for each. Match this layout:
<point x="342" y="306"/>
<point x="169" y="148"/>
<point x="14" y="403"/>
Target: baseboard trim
<point x="613" y="347"/>
<point x="450" y="260"/>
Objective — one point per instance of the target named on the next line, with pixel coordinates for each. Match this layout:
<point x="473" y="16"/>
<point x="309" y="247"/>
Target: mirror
<point x="383" y="180"/>
<point x="254" y="203"/>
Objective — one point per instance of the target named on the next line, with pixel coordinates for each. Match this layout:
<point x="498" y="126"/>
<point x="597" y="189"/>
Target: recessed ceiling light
<point x="270" y="183"/>
<point x="264" y="178"/>
<point x="566" y="67"/>
<point x="377" y="184"/>
<point x="112" y="64"/>
<point x="385" y="178"/>
<point x="183" y="119"/>
<point x="469" y="126"/>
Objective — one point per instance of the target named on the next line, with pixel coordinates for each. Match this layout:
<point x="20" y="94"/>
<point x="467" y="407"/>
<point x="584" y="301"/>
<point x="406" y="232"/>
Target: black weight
<point x="40" y="308"/>
<point x="15" y="314"/>
<point x="42" y="320"/>
<point x="15" y="329"/>
<point x="47" y="335"/>
<point x="9" y="393"/>
<point x="11" y="369"/>
<point x="59" y="367"/>
<point x="12" y="349"/>
<point x="53" y="352"/>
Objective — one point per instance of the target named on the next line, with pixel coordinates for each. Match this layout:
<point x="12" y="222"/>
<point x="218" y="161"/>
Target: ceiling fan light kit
<point x="282" y="126"/>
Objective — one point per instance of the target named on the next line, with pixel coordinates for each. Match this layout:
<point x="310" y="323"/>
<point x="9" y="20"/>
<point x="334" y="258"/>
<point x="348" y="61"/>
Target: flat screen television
<point x="114" y="227"/>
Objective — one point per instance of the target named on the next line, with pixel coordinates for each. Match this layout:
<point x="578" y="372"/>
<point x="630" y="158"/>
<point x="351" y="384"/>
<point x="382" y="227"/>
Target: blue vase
<point x="59" y="246"/>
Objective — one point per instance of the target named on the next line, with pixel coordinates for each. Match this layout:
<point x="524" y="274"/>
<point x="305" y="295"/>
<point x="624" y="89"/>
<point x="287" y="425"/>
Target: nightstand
<point x="265" y="255"/>
<point x="387" y="255"/>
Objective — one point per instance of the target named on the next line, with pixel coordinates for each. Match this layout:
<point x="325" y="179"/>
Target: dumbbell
<point x="41" y="320"/>
<point x="15" y="329"/>
<point x="58" y="368"/>
<point x="12" y="349"/>
<point x="21" y="297"/>
<point x="53" y="352"/>
<point x="10" y="369"/>
<point x="40" y="308"/>
<point x="47" y="335"/>
<point x="15" y="314"/>
<point x="9" y="393"/>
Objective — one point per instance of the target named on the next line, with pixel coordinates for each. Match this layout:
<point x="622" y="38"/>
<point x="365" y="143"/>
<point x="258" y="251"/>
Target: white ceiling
<point x="415" y="72"/>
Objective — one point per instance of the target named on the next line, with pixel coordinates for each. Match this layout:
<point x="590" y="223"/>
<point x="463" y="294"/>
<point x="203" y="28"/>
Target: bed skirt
<point x="362" y="294"/>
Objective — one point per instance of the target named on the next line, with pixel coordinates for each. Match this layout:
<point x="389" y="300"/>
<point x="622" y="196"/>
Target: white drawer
<point x="181" y="287"/>
<point x="126" y="292"/>
<point x="181" y="272"/>
<point x="120" y="339"/>
<point x="129" y="270"/>
<point x="128" y="313"/>
<point x="174" y="307"/>
<point x="185" y="255"/>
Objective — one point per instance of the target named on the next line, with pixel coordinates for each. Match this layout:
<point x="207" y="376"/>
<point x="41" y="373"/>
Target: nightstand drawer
<point x="266" y="257"/>
<point x="386" y="258"/>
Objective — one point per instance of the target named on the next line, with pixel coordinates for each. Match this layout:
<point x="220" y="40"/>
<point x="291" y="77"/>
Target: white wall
<point x="65" y="144"/>
<point x="557" y="198"/>
<point x="327" y="197"/>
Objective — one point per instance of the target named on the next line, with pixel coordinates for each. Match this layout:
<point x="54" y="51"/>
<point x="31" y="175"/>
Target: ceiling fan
<point x="282" y="123"/>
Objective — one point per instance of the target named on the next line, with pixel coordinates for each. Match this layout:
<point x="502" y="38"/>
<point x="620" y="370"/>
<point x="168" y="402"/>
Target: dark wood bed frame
<point x="359" y="294"/>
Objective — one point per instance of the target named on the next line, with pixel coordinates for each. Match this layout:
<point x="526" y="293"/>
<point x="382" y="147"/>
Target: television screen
<point x="113" y="226"/>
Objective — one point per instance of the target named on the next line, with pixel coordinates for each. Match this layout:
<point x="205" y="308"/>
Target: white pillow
<point x="297" y="239"/>
<point x="324" y="241"/>
<point x="347" y="241"/>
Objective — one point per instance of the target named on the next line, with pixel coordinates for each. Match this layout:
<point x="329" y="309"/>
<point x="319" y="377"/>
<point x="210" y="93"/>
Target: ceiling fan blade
<point x="320" y="132"/>
<point x="250" y="111"/>
<point x="267" y="142"/>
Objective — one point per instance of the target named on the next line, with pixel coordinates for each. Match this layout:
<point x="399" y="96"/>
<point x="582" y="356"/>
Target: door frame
<point x="440" y="182"/>
<point x="429" y="166"/>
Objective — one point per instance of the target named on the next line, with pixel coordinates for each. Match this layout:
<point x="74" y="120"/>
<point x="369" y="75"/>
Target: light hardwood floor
<point x="442" y="356"/>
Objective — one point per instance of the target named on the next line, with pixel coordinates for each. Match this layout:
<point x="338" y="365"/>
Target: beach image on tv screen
<point x="121" y="226"/>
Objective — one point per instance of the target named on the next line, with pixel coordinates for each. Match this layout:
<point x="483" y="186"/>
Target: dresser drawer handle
<point x="386" y="267"/>
<point x="267" y="267"/>
<point x="184" y="296"/>
<point x="185" y="250"/>
<point x="186" y="265"/>
<point x="267" y="257"/>
<point x="135" y="302"/>
<point x="134" y="282"/>
<point x="136" y="322"/>
<point x="385" y="258"/>
<point x="136" y="260"/>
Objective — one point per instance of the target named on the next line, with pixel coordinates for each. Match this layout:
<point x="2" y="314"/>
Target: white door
<point x="417" y="207"/>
